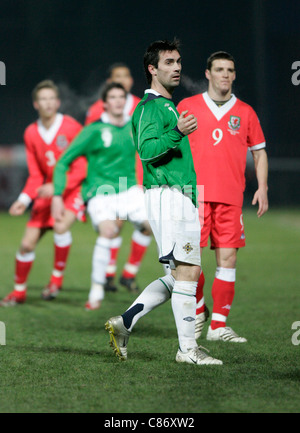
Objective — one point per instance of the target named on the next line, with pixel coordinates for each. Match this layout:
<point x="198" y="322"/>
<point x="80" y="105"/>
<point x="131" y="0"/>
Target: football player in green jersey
<point x="110" y="186"/>
<point x="160" y="136"/>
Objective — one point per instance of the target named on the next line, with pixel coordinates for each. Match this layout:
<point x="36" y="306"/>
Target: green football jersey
<point x="111" y="158"/>
<point x="165" y="152"/>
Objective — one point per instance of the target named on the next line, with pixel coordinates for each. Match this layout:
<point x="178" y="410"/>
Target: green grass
<point x="57" y="357"/>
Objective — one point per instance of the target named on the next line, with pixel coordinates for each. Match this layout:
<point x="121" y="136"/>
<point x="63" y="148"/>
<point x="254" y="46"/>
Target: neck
<point x="116" y="120"/>
<point x="48" y="121"/>
<point x="163" y="91"/>
<point x="217" y="95"/>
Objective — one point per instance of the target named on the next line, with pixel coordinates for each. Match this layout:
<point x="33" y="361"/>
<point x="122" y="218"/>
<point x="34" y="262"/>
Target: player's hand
<point x="57" y="208"/>
<point x="187" y="124"/>
<point x="46" y="190"/>
<point x="17" y="208"/>
<point x="261" y="197"/>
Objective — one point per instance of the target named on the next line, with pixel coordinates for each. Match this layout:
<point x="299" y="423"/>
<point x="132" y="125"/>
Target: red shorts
<point x="224" y="225"/>
<point x="40" y="216"/>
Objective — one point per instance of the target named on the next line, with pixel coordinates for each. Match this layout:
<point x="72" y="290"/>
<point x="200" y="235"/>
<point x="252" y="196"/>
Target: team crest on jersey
<point x="234" y="124"/>
<point x="62" y="141"/>
<point x="188" y="248"/>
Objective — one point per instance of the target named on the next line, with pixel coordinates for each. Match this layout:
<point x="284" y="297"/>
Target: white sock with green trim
<point x="184" y="310"/>
<point x="155" y="294"/>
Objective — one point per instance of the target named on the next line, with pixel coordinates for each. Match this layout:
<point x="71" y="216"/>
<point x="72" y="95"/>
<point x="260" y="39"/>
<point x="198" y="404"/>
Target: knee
<point x="146" y="229"/>
<point x="108" y="231"/>
<point x="27" y="247"/>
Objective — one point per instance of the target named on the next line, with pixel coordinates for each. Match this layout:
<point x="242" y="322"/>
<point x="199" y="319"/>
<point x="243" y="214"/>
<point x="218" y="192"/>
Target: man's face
<point x="168" y="69"/>
<point x="115" y="102"/>
<point x="122" y="76"/>
<point x="46" y="103"/>
<point x="221" y="75"/>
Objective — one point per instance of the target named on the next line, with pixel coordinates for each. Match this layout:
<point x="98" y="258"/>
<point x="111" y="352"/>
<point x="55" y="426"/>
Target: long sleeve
<point x="78" y="148"/>
<point x="153" y="141"/>
<point x="36" y="176"/>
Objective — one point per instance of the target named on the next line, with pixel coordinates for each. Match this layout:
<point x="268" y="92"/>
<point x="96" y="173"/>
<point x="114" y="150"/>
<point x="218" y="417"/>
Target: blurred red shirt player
<point x="45" y="140"/>
<point x="227" y="129"/>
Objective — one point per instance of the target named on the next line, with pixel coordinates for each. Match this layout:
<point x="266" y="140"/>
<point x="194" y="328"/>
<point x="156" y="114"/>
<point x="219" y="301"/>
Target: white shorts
<point x="175" y="224"/>
<point x="127" y="205"/>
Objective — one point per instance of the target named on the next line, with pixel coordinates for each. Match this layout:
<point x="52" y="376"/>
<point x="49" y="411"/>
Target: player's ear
<point x="58" y="103"/>
<point x="207" y="73"/>
<point x="152" y="69"/>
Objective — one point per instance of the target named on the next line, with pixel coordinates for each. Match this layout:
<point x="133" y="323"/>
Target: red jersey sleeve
<point x="255" y="139"/>
<point x="36" y="176"/>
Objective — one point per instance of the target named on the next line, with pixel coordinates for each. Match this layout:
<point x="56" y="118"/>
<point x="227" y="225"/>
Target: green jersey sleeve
<point x="153" y="140"/>
<point x="77" y="148"/>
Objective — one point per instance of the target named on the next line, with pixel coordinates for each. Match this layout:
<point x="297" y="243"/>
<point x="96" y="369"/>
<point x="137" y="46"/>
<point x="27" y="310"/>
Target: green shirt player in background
<point x="110" y="186"/>
<point x="160" y="136"/>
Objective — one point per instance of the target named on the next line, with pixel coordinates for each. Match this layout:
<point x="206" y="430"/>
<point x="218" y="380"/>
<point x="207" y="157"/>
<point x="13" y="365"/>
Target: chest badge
<point x="62" y="142"/>
<point x="234" y="124"/>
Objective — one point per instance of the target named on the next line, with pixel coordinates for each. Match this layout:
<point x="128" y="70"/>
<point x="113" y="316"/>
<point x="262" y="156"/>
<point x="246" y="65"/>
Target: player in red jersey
<point x="227" y="128"/>
<point x="120" y="73"/>
<point x="45" y="140"/>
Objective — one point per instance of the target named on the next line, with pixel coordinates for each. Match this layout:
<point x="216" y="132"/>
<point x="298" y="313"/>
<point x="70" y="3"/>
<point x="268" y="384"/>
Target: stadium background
<point x="75" y="42"/>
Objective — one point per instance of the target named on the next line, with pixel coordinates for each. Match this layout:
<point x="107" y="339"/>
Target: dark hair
<point x="219" y="55"/>
<point x="109" y="87"/>
<point x="151" y="56"/>
<point x="45" y="84"/>
<point x="115" y="66"/>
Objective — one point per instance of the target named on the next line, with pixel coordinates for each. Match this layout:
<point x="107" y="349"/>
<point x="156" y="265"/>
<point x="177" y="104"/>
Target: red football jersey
<point x="44" y="147"/>
<point x="219" y="146"/>
<point x="95" y="111"/>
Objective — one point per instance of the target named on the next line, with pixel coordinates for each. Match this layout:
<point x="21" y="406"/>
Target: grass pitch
<point x="57" y="357"/>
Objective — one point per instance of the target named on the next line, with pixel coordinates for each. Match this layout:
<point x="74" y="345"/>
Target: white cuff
<point x="25" y="199"/>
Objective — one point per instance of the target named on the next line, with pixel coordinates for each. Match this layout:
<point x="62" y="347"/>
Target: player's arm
<point x="152" y="142"/>
<point x="78" y="148"/>
<point x="33" y="182"/>
<point x="261" y="168"/>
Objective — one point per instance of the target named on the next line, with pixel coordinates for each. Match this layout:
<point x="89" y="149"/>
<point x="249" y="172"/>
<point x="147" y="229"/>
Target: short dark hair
<point x="45" y="84"/>
<point x="218" y="55"/>
<point x="109" y="87"/>
<point x="114" y="66"/>
<point x="151" y="56"/>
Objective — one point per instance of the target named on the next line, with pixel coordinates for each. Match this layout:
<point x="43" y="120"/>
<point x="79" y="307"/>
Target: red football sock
<point x="222" y="294"/>
<point x="139" y="245"/>
<point x="23" y="264"/>
<point x="60" y="261"/>
<point x="200" y="304"/>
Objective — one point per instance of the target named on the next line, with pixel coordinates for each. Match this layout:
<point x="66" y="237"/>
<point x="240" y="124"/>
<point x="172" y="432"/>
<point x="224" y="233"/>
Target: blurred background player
<point x="110" y="186"/>
<point x="227" y="128"/>
<point x="45" y="141"/>
<point x="120" y="73"/>
<point x="117" y="73"/>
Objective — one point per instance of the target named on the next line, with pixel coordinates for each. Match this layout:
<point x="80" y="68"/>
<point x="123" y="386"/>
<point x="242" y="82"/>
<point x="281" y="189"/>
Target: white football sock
<point x="184" y="310"/>
<point x="101" y="257"/>
<point x="155" y="294"/>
